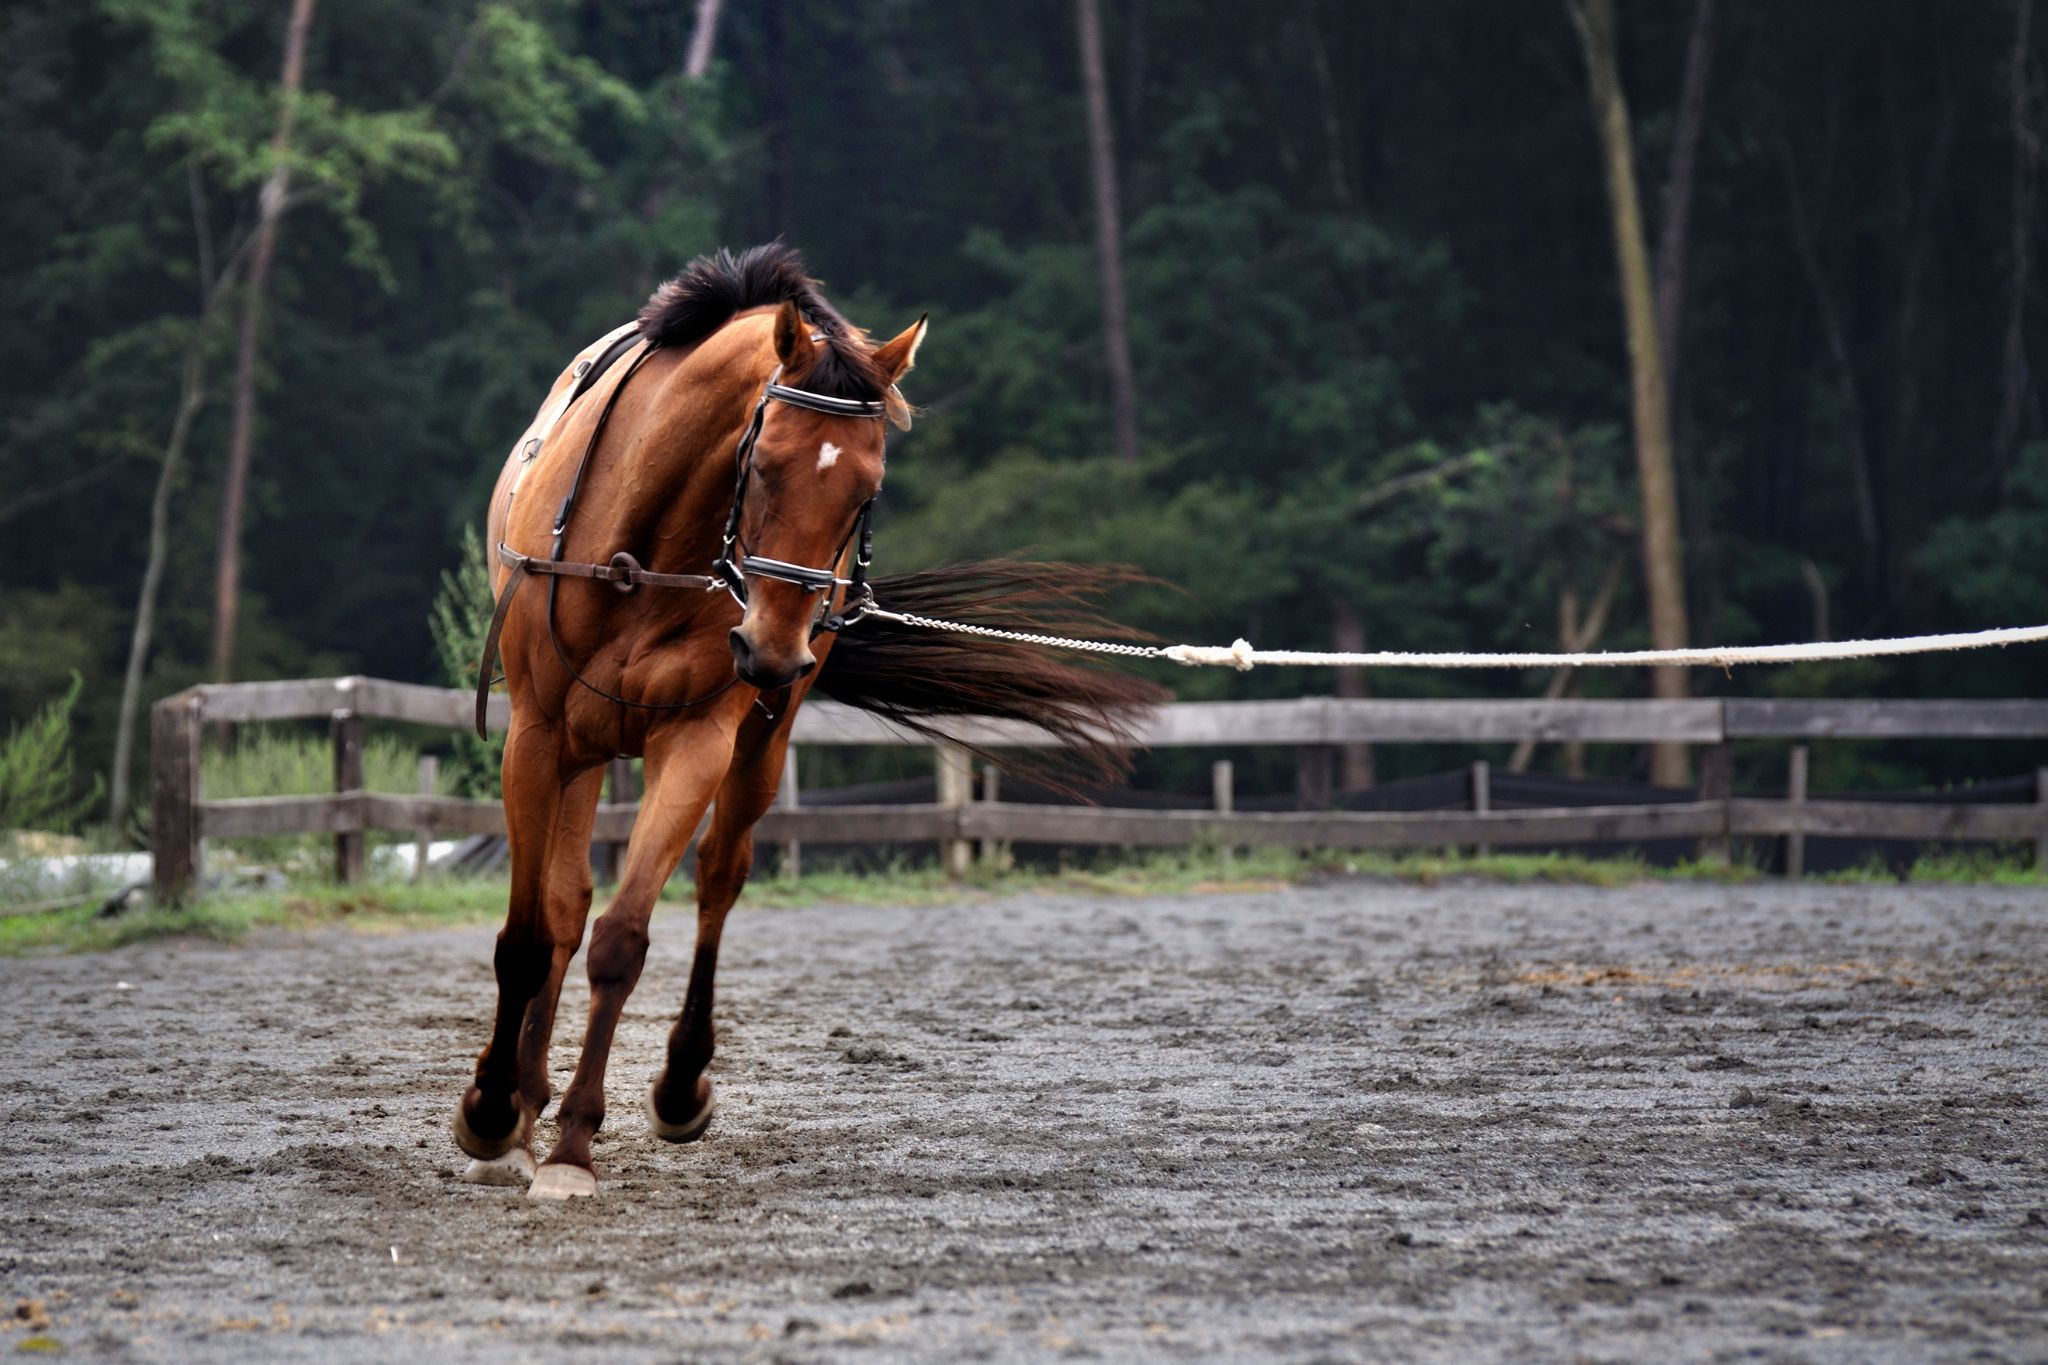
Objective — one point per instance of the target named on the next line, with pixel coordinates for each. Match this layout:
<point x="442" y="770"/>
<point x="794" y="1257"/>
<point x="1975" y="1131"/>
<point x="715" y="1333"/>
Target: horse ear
<point x="792" y="338"/>
<point x="894" y="358"/>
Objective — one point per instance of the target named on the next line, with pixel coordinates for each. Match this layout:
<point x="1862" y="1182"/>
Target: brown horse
<point x="622" y="498"/>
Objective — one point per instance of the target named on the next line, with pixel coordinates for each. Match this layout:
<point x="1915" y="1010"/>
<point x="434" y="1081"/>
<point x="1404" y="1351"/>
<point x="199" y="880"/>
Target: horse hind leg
<point x="683" y="768"/>
<point x="566" y="904"/>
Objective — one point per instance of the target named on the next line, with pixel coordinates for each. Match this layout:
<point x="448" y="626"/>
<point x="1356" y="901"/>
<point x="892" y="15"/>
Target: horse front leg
<point x="680" y="1104"/>
<point x="493" y="1124"/>
<point x="684" y="766"/>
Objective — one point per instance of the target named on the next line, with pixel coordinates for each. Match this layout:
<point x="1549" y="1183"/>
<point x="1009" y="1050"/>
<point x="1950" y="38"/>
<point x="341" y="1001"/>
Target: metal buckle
<point x="621" y="572"/>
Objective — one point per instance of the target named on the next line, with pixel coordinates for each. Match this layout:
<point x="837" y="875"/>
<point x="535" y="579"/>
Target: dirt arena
<point x="1347" y="1122"/>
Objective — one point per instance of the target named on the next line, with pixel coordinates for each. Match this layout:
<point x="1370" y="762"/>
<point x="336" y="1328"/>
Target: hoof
<point x="691" y="1128"/>
<point x="490" y="1149"/>
<point x="513" y="1168"/>
<point x="554" y="1182"/>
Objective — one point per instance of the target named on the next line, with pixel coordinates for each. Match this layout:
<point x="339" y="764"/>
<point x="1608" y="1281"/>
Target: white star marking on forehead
<point x="828" y="455"/>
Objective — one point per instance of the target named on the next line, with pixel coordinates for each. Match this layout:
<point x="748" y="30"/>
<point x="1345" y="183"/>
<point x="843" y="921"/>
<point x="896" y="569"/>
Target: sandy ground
<point x="1348" y="1122"/>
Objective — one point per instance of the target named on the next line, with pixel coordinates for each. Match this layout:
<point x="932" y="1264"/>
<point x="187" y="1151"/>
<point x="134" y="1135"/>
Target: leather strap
<point x="489" y="663"/>
<point x="623" y="572"/>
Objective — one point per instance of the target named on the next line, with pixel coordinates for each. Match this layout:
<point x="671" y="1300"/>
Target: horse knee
<point x="618" y="949"/>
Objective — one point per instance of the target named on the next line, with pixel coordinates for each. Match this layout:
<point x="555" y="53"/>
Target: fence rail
<point x="1313" y="726"/>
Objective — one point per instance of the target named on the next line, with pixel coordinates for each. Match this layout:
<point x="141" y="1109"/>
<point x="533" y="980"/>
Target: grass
<point x="385" y="906"/>
<point x="231" y="915"/>
<point x="1989" y="866"/>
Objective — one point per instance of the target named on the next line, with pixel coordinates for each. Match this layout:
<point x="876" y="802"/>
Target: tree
<point x="191" y="398"/>
<point x="1674" y="232"/>
<point x="270" y="210"/>
<point x="1109" y="249"/>
<point x="703" y="39"/>
<point x="1656" y="474"/>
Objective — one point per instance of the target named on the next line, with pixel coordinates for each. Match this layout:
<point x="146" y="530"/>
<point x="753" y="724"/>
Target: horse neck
<point x="675" y="480"/>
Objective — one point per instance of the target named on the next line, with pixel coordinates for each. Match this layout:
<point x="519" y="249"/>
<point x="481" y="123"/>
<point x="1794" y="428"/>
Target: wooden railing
<point x="1312" y="726"/>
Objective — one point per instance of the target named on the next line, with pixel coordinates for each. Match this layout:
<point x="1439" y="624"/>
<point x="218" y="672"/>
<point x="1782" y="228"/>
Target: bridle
<point x="732" y="573"/>
<point x="729" y="571"/>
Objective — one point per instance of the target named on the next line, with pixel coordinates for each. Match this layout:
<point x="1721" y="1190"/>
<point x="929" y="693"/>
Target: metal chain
<point x="1021" y="636"/>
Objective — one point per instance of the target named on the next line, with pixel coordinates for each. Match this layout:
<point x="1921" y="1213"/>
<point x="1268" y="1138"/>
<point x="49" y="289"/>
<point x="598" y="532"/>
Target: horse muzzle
<point x="768" y="669"/>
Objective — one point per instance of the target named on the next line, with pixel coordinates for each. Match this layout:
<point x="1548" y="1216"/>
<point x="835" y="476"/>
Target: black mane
<point x="713" y="289"/>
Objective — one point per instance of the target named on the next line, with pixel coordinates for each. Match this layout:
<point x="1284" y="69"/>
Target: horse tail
<point x="912" y="675"/>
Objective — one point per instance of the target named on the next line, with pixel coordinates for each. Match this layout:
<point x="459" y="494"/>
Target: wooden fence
<point x="1314" y="727"/>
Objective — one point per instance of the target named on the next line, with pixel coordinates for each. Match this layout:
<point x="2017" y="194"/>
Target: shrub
<point x="459" y="620"/>
<point x="38" y="787"/>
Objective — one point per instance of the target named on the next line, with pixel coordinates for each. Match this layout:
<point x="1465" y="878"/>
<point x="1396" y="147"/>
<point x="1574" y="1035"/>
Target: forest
<point x="1353" y="322"/>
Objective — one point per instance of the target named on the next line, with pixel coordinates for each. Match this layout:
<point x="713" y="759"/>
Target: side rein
<point x="729" y="572"/>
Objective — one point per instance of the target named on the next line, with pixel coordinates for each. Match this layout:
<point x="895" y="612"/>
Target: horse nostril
<point x="742" y="652"/>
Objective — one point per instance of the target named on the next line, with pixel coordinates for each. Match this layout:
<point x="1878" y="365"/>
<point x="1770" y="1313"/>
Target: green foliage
<point x="277" y="761"/>
<point x="460" y="621"/>
<point x="38" y="788"/>
<point x="223" y="120"/>
<point x="274" y="761"/>
<point x="1996" y="566"/>
<point x="1336" y="286"/>
<point x="228" y="917"/>
<point x="538" y="92"/>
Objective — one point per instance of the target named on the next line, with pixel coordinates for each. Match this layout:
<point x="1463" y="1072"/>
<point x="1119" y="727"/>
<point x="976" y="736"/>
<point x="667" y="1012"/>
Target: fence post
<point x="994" y="853"/>
<point x="1314" y="776"/>
<point x="347" y="727"/>
<point x="609" y="857"/>
<point x="1223" y="799"/>
<point x="1795" y="793"/>
<point x="423" y="838"/>
<point x="1717" y="783"/>
<point x="789" y="796"/>
<point x="176" y="857"/>
<point x="1482" y="798"/>
<point x="955" y="790"/>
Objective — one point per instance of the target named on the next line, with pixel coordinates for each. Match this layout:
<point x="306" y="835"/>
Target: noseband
<point x="729" y="571"/>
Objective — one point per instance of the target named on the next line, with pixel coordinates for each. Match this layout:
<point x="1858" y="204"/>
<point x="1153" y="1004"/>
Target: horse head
<point x="806" y="486"/>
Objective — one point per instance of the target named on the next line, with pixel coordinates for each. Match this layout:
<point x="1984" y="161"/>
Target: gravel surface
<point x="1345" y="1122"/>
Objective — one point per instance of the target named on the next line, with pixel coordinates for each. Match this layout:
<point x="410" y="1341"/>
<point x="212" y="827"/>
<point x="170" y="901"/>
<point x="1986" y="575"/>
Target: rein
<point x="728" y="571"/>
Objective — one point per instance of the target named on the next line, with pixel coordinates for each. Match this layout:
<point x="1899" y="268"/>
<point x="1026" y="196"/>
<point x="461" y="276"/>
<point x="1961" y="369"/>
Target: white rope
<point x="1241" y="656"/>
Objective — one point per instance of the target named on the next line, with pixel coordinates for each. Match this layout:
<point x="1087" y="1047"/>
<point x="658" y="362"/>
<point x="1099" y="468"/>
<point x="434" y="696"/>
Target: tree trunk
<point x="1673" y="256"/>
<point x="1355" y="767"/>
<point x="1109" y="250"/>
<point x="270" y="209"/>
<point x="1674" y="230"/>
<point x="2026" y="161"/>
<point x="191" y="397"/>
<point x="703" y="39"/>
<point x="1662" y="552"/>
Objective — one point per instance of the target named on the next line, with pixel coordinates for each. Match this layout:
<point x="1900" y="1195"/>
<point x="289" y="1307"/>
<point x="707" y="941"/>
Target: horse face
<point x="811" y="475"/>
